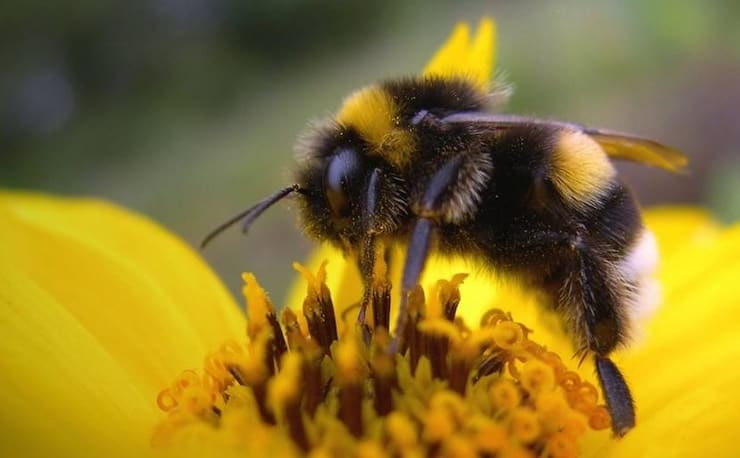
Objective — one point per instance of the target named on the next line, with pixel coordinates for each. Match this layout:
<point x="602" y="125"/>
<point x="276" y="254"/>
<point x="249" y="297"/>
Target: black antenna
<point x="251" y="214"/>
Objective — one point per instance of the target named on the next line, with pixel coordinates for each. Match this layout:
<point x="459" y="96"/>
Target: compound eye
<point x="340" y="173"/>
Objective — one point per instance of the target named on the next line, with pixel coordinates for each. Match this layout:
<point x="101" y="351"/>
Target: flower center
<point x="312" y="387"/>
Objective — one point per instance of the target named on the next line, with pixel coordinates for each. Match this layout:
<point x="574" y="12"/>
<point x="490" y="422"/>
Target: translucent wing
<point x="617" y="145"/>
<point x="638" y="149"/>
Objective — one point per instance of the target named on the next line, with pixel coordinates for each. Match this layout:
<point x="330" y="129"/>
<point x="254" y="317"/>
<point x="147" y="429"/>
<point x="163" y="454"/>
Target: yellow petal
<point x="62" y="393"/>
<point x="451" y="53"/>
<point x="461" y="57"/>
<point x="130" y="307"/>
<point x="482" y="53"/>
<point x="679" y="226"/>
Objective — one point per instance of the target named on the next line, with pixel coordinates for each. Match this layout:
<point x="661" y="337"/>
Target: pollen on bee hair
<point x="580" y="169"/>
<point x="372" y="112"/>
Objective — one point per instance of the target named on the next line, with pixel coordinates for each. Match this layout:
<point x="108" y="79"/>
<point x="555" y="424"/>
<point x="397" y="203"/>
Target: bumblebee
<point x="424" y="162"/>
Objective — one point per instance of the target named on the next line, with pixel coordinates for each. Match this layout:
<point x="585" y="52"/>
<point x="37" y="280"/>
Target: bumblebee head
<point x="333" y="176"/>
<point x="349" y="165"/>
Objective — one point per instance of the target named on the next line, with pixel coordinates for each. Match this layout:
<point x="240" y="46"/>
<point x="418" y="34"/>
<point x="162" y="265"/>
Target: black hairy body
<point x="520" y="225"/>
<point x="420" y="162"/>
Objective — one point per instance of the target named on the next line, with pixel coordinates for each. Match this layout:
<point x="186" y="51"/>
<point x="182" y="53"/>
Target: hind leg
<point x="591" y="297"/>
<point x="595" y="295"/>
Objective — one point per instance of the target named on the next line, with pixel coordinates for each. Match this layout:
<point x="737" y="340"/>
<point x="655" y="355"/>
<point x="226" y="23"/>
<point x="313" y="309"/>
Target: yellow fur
<point x="580" y="169"/>
<point x="372" y="112"/>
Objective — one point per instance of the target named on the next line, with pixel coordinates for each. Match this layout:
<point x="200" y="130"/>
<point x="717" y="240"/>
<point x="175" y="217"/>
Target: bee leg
<point x="617" y="394"/>
<point x="366" y="260"/>
<point x="416" y="256"/>
<point x="603" y="328"/>
<point x="366" y="264"/>
<point x="592" y="303"/>
<point x="428" y="210"/>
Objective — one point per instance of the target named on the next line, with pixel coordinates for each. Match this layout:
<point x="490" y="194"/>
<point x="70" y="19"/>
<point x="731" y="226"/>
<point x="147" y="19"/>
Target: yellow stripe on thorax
<point x="374" y="115"/>
<point x="580" y="169"/>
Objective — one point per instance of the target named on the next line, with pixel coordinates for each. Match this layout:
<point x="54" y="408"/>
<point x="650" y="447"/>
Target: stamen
<point x="438" y="426"/>
<point x="599" y="418"/>
<point x="508" y="335"/>
<point x="413" y="340"/>
<point x="560" y="445"/>
<point x="318" y="307"/>
<point x="451" y="390"/>
<point x="380" y="301"/>
<point x="402" y="432"/>
<point x="349" y="376"/>
<point x="296" y="339"/>
<point x="537" y="377"/>
<point x="166" y="401"/>
<point x="369" y="449"/>
<point x="259" y="306"/>
<point x="490" y="437"/>
<point x="459" y="446"/>
<point x="284" y="394"/>
<point x="525" y="426"/>
<point x="505" y="395"/>
<point x="383" y="368"/>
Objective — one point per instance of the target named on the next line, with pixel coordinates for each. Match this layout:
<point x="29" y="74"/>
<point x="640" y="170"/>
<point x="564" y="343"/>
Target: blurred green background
<point x="187" y="110"/>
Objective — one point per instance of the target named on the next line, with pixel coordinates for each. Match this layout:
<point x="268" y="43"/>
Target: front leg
<point x="366" y="263"/>
<point x="433" y="205"/>
<point x="379" y="196"/>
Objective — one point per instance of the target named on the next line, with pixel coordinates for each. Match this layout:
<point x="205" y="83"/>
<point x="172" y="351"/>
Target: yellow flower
<point x="104" y="317"/>
<point x="101" y="309"/>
